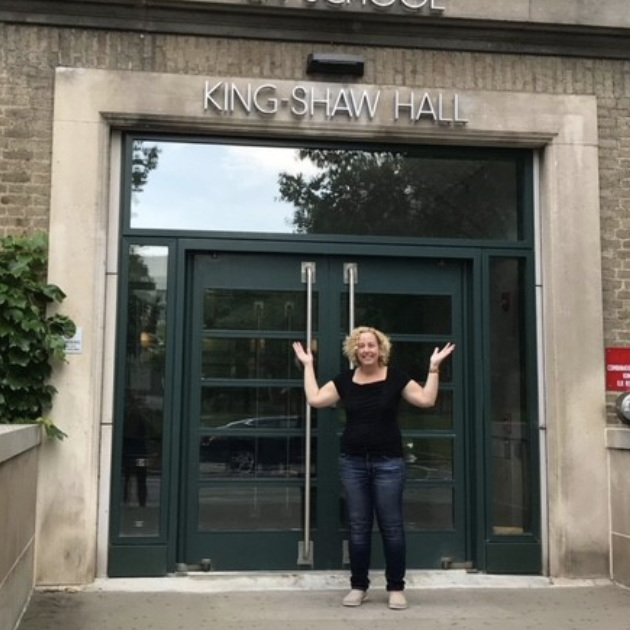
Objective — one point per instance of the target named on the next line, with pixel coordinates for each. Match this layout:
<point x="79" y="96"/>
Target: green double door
<point x="255" y="497"/>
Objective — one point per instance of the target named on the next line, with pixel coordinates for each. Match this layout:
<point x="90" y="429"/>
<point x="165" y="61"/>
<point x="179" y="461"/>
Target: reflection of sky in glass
<point x="217" y="187"/>
<point x="156" y="260"/>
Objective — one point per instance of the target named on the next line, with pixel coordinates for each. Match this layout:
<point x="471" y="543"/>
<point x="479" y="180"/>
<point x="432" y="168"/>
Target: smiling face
<point x="375" y="346"/>
<point x="368" y="351"/>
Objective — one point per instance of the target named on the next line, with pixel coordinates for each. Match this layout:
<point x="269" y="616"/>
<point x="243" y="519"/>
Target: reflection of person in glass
<point x="371" y="463"/>
<point x="135" y="450"/>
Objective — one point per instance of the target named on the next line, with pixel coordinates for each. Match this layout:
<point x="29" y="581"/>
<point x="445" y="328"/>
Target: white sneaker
<point x="397" y="600"/>
<point x="355" y="597"/>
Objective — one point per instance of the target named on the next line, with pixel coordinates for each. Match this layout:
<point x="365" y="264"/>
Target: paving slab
<point x="555" y="607"/>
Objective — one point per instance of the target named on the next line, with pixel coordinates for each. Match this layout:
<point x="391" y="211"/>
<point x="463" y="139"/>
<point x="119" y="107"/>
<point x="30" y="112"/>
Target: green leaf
<point x="53" y="293"/>
<point x="52" y="430"/>
<point x="29" y="340"/>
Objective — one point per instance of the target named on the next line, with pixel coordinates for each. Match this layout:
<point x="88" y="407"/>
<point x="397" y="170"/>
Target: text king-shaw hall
<point x="220" y="178"/>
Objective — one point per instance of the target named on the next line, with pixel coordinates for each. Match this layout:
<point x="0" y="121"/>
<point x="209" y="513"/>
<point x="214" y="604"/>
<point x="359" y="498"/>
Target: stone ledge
<point x="475" y="29"/>
<point x="618" y="438"/>
<point x="16" y="439"/>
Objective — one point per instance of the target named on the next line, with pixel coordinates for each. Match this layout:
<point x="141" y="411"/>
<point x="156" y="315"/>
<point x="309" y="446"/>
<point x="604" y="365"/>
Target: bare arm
<point x="316" y="396"/>
<point x="426" y="396"/>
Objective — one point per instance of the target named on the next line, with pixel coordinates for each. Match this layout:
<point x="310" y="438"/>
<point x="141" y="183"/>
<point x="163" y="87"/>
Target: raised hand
<point x="439" y="355"/>
<point x="305" y="357"/>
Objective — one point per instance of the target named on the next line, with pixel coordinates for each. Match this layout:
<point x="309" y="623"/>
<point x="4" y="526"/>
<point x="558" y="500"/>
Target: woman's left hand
<point x="439" y="355"/>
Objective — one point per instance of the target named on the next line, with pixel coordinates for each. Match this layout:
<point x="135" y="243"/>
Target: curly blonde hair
<point x="351" y="344"/>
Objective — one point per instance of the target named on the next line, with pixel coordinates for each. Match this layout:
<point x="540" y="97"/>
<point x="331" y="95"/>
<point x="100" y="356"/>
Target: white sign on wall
<point x="74" y="345"/>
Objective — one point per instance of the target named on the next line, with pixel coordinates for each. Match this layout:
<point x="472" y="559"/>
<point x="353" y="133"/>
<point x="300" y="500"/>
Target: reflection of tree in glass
<point x="144" y="159"/>
<point x="253" y="310"/>
<point x="145" y="305"/>
<point x="390" y="193"/>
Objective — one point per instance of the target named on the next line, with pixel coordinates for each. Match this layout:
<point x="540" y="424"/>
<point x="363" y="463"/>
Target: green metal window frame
<point x="495" y="554"/>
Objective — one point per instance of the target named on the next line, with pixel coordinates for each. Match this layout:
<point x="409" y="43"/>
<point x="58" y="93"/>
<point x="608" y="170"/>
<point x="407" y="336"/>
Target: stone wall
<point x="618" y="440"/>
<point x="29" y="55"/>
<point x="18" y="490"/>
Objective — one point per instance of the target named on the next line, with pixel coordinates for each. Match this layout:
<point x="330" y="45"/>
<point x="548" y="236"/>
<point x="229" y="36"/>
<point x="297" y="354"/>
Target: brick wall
<point x="28" y="56"/>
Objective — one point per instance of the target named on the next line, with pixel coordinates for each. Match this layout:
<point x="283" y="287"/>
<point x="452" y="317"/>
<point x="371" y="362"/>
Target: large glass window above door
<point x="382" y="192"/>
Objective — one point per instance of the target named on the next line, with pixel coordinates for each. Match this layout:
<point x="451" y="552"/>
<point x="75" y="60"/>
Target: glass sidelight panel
<point x="511" y="448"/>
<point x="143" y="415"/>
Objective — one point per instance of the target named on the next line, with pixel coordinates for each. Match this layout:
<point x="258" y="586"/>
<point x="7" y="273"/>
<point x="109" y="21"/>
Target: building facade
<point x="220" y="178"/>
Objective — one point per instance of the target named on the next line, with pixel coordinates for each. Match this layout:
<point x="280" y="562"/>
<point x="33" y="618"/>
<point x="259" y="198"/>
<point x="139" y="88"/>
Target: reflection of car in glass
<point x="426" y="464"/>
<point x="262" y="445"/>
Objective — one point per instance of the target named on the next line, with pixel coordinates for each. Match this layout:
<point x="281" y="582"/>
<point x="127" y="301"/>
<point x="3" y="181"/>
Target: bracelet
<point x="433" y="370"/>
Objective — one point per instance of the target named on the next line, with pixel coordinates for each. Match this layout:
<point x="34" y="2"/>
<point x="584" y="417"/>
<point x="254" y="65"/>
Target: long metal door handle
<point x="305" y="551"/>
<point x="350" y="277"/>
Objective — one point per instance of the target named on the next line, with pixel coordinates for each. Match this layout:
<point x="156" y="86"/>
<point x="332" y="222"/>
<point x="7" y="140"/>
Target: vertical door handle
<point x="350" y="277"/>
<point x="305" y="549"/>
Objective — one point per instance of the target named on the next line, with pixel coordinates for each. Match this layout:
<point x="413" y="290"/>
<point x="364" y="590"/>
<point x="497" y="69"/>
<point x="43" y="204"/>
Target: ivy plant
<point x="31" y="338"/>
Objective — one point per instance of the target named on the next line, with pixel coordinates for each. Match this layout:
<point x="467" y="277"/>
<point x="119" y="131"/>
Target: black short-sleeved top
<point x="372" y="414"/>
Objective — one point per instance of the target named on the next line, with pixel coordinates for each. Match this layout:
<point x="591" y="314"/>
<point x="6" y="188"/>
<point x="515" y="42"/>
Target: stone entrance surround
<point x="91" y="106"/>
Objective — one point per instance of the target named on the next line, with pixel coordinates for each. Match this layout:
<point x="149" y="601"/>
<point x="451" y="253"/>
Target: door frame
<point x="328" y="534"/>
<point x="522" y="555"/>
<point x="476" y="435"/>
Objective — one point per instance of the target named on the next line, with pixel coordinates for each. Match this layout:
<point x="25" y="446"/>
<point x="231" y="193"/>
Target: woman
<point x="371" y="463"/>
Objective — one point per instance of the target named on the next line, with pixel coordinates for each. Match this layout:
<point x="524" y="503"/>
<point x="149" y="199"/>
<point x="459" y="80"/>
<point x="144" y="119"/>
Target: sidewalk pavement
<point x="187" y="603"/>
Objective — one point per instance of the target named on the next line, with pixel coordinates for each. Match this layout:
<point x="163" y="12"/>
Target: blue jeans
<point x="374" y="485"/>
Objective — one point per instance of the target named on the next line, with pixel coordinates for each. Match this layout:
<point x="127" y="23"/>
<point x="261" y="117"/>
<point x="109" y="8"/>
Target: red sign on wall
<point x="618" y="369"/>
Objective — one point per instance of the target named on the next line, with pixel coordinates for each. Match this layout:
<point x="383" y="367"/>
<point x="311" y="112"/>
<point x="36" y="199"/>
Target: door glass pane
<point x="413" y="358"/>
<point x="407" y="191"/>
<point x="249" y="358"/>
<point x="428" y="509"/>
<point x="428" y="459"/>
<point x="255" y="310"/>
<point x="223" y="406"/>
<point x="143" y="415"/>
<point x="437" y="418"/>
<point x="400" y="313"/>
<point x="251" y="507"/>
<point x="250" y="454"/>
<point x="424" y="509"/>
<point x="511" y="495"/>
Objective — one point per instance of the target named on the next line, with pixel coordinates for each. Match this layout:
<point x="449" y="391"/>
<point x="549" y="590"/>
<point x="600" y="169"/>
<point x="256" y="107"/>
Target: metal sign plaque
<point x="618" y="369"/>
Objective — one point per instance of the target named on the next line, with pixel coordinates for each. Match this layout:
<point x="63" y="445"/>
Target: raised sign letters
<point x="435" y="6"/>
<point x="326" y="102"/>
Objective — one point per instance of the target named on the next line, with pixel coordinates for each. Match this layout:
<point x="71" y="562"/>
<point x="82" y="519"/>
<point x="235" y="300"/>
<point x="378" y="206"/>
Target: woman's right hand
<point x="305" y="357"/>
